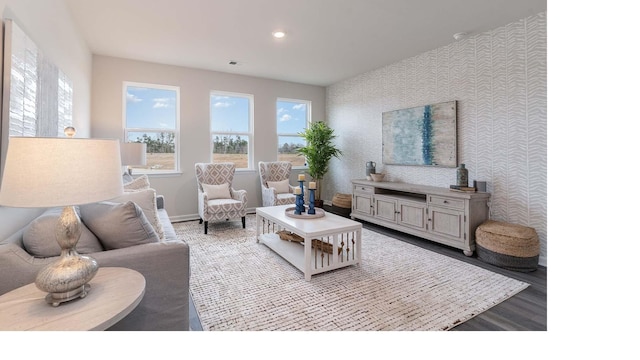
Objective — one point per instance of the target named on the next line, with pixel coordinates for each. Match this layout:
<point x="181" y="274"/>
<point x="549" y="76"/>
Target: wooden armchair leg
<point x="244" y="223"/>
<point x="206" y="227"/>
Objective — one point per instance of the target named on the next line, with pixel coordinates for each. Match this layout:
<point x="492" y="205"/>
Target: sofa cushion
<point x="217" y="191"/>
<point x="139" y="183"/>
<point x="282" y="187"/>
<point x="118" y="225"/>
<point x="147" y="201"/>
<point x="39" y="237"/>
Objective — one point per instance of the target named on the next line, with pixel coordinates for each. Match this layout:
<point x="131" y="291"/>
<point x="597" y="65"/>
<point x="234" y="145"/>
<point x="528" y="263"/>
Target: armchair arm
<point x="240" y="195"/>
<point x="202" y="202"/>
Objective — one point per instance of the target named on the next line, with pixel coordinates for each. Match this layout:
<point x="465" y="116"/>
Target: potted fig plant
<point x="318" y="152"/>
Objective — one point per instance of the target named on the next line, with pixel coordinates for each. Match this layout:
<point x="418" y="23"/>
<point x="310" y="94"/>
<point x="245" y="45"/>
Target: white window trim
<point x="125" y="84"/>
<point x="307" y="124"/>
<point x="249" y="134"/>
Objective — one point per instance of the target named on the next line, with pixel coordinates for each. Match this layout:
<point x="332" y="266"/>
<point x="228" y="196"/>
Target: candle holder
<point x="301" y="196"/>
<point x="312" y="200"/>
<point x="299" y="205"/>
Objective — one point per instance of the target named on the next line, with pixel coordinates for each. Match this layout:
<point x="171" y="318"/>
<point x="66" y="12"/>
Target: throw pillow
<point x="146" y="199"/>
<point x="221" y="191"/>
<point x="39" y="237"/>
<point x="139" y="183"/>
<point x="118" y="225"/>
<point x="281" y="187"/>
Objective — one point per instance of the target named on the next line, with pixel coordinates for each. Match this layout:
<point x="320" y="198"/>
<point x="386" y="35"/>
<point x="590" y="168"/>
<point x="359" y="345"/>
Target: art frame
<point x="423" y="135"/>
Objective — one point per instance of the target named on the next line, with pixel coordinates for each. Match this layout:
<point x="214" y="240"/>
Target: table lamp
<point x="133" y="153"/>
<point x="53" y="172"/>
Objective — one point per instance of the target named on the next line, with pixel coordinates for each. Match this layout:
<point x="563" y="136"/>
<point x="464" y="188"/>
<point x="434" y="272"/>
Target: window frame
<point x="176" y="131"/>
<point x="249" y="134"/>
<point x="308" y="103"/>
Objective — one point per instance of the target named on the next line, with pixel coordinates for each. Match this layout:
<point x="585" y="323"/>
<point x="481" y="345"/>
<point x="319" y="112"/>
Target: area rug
<point x="238" y="284"/>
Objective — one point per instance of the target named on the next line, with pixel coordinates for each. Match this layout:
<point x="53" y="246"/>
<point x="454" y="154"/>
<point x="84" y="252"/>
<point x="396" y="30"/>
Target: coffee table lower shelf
<point x="293" y="252"/>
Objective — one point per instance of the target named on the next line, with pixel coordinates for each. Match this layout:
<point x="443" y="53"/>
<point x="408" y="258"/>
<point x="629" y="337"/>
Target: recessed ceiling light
<point x="278" y="34"/>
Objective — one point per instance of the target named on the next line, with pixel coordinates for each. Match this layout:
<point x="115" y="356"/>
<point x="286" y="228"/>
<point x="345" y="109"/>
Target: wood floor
<point x="526" y="311"/>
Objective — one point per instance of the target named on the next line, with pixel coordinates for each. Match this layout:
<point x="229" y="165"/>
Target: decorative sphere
<point x="70" y="131"/>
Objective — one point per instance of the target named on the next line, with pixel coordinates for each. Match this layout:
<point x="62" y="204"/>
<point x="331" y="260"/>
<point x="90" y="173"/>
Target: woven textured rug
<point x="238" y="284"/>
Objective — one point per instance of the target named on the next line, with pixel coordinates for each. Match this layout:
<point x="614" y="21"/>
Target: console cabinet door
<point x="412" y="214"/>
<point x="385" y="208"/>
<point x="447" y="222"/>
<point x="362" y="204"/>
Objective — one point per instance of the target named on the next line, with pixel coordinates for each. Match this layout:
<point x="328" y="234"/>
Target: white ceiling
<point x="328" y="40"/>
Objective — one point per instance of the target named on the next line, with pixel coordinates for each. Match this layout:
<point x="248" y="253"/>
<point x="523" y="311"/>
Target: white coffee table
<point x="343" y="236"/>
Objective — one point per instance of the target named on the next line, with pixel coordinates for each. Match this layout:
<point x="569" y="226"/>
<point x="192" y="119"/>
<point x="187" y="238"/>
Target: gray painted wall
<point x="499" y="79"/>
<point x="195" y="86"/>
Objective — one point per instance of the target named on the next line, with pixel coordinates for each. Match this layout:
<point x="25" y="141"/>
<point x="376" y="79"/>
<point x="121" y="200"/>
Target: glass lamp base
<point x="67" y="278"/>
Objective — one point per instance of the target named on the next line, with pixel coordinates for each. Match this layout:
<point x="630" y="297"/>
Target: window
<point x="152" y="116"/>
<point x="293" y="118"/>
<point x="40" y="95"/>
<point x="232" y="128"/>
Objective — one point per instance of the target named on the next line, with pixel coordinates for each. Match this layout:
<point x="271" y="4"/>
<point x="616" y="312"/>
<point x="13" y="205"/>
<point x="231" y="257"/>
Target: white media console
<point x="434" y="213"/>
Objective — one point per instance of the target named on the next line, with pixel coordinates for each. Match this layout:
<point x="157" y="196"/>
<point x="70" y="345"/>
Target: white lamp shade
<point x="49" y="172"/>
<point x="133" y="153"/>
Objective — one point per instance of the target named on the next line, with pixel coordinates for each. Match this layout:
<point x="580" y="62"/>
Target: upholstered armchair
<point x="217" y="199"/>
<point x="274" y="180"/>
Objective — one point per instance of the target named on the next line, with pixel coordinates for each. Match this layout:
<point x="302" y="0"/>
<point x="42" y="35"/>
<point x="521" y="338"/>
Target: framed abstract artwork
<point x="423" y="135"/>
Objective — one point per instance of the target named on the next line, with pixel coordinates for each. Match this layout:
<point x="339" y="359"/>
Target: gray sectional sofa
<point x="164" y="264"/>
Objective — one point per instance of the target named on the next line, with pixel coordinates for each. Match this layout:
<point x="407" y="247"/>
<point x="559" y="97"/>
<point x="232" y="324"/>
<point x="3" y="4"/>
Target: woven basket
<point x="342" y="201"/>
<point x="511" y="246"/>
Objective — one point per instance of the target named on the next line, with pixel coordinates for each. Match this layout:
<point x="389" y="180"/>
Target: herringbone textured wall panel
<point x="499" y="79"/>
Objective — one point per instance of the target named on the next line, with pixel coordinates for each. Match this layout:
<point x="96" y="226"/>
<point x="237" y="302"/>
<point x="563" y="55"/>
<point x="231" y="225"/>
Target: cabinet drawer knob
<point x="445" y="201"/>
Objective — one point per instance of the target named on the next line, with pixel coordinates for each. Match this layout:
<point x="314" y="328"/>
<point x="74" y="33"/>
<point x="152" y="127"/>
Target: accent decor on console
<point x="423" y="135"/>
<point x="462" y="176"/>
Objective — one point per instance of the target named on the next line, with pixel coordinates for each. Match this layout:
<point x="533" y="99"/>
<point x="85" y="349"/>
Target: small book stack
<point x="462" y="188"/>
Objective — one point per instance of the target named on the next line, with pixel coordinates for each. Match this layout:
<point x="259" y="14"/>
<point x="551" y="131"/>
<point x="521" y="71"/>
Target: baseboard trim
<point x="191" y="217"/>
<point x="182" y="218"/>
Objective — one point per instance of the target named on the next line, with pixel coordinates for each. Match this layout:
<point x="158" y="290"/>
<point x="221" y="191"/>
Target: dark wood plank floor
<point x="526" y="311"/>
